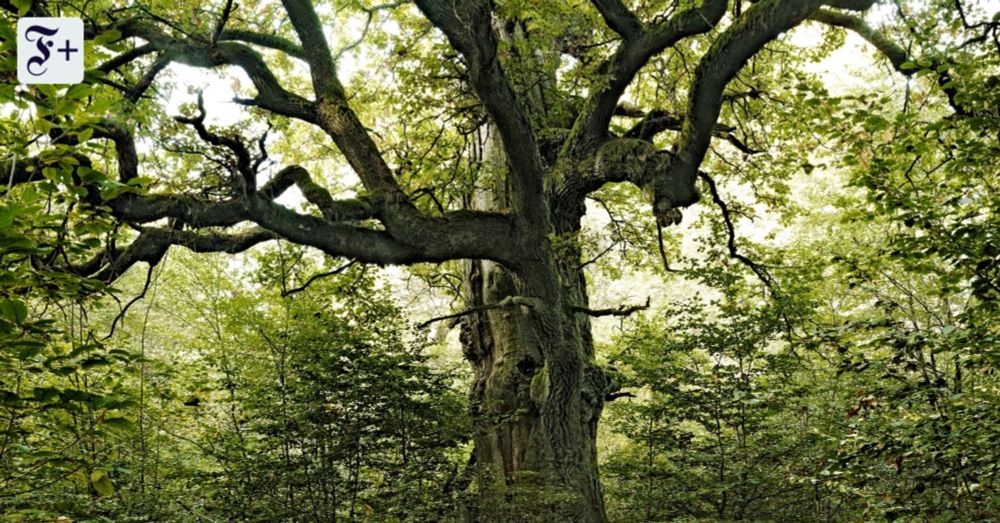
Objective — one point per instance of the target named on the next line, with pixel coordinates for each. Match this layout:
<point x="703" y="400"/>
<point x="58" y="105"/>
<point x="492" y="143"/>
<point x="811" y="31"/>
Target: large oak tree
<point x="538" y="111"/>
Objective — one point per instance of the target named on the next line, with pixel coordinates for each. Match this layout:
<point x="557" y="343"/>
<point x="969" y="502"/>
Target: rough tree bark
<point x="515" y="455"/>
<point x="535" y="413"/>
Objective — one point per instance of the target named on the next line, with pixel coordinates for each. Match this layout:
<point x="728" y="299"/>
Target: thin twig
<point x="620" y="311"/>
<point x="121" y="315"/>
<point x="615" y="395"/>
<point x="509" y="301"/>
<point x="663" y="250"/>
<point x="315" y="277"/>
<point x="759" y="270"/>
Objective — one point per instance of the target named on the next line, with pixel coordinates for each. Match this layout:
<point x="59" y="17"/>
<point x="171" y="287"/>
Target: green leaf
<point x="7" y="32"/>
<point x="22" y="6"/>
<point x="29" y="349"/>
<point x="90" y="363"/>
<point x="80" y="349"/>
<point x="108" y="36"/>
<point x="9" y="398"/>
<point x="118" y="422"/>
<point x="13" y="310"/>
<point x="102" y="483"/>
<point x="50" y="173"/>
<point x="43" y="394"/>
<point x="78" y="91"/>
<point x="6" y="218"/>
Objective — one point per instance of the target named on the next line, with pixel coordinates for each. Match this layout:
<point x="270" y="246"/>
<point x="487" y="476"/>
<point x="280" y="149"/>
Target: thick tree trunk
<point x="535" y="407"/>
<point x="537" y="393"/>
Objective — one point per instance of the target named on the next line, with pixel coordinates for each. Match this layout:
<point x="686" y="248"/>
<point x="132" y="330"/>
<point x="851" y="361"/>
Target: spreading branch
<point x="453" y="236"/>
<point x="316" y="48"/>
<point x="655" y="122"/>
<point x="244" y="160"/>
<point x="333" y="210"/>
<point x="316" y="277"/>
<point x="267" y="41"/>
<point x="612" y="396"/>
<point x="619" y="18"/>
<point x="126" y="58"/>
<point x="895" y="53"/>
<point x="509" y="301"/>
<point x="622" y="310"/>
<point x="591" y="127"/>
<point x="757" y="269"/>
<point x="763" y="22"/>
<point x="195" y="52"/>
<point x="221" y="25"/>
<point x="152" y="244"/>
<point x="467" y="24"/>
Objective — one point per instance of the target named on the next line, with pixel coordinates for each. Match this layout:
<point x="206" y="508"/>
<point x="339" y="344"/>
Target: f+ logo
<point x="49" y="50"/>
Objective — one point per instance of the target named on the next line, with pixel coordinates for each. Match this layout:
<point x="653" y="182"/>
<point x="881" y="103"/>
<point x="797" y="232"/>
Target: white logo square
<point x="50" y="50"/>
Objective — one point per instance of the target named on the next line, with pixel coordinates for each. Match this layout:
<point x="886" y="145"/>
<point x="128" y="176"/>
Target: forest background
<point x="815" y="341"/>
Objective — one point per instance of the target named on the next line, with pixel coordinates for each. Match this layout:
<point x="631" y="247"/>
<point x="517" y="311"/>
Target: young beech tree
<point x="544" y="83"/>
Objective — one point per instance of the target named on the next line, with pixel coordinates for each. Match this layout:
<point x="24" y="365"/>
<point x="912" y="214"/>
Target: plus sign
<point x="67" y="50"/>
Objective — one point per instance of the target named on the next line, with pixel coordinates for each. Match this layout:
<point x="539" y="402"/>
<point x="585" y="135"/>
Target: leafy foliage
<point x="827" y="350"/>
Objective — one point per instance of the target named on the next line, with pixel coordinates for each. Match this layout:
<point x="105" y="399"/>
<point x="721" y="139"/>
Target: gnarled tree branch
<point x="894" y="52"/>
<point x="467" y="24"/>
<point x="591" y="127"/>
<point x="619" y="18"/>
<point x="619" y="311"/>
<point x="509" y="301"/>
<point x="764" y="21"/>
<point x="757" y="269"/>
<point x="270" y="94"/>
